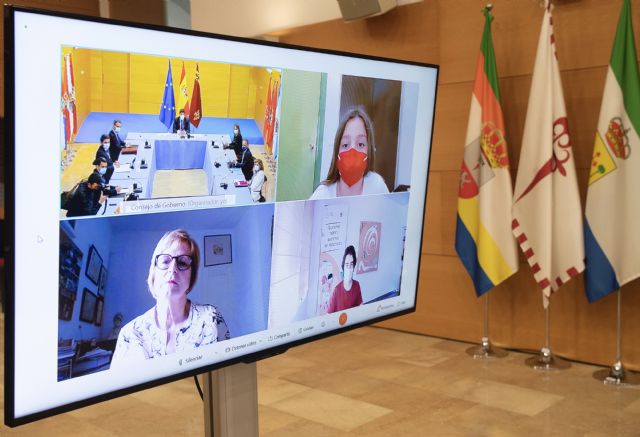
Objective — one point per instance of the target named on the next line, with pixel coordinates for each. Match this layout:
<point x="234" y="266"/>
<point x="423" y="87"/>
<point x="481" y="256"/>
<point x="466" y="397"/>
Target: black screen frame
<point x="9" y="228"/>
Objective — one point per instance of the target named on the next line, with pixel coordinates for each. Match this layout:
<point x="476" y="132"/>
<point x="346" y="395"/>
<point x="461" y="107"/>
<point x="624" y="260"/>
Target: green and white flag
<point x="612" y="228"/>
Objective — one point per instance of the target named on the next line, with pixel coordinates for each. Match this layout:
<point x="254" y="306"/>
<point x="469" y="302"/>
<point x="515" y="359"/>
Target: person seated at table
<point x="88" y="197"/>
<point x="117" y="144"/>
<point x="101" y="169"/>
<point x="103" y="152"/>
<point x="257" y="181"/>
<point x="236" y="144"/>
<point x="181" y="124"/>
<point x="244" y="161"/>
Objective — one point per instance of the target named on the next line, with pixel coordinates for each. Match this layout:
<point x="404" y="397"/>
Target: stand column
<point x="616" y="374"/>
<point x="231" y="401"/>
<point x="545" y="359"/>
<point x="485" y="350"/>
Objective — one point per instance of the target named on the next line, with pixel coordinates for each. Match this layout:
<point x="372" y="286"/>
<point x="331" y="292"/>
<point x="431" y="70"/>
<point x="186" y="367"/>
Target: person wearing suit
<point x="245" y="161"/>
<point x="101" y="170"/>
<point x="103" y="152"/>
<point x="117" y="144"/>
<point x="181" y="123"/>
<point x="88" y="197"/>
<point x="236" y="144"/>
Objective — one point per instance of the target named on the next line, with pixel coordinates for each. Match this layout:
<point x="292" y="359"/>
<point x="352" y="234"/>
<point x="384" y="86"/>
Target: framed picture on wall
<point x="217" y="250"/>
<point x="94" y="264"/>
<point x="99" y="308"/>
<point x="103" y="281"/>
<point x="88" y="307"/>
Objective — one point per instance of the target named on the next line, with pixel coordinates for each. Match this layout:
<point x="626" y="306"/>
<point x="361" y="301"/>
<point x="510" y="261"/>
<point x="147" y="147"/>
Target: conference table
<point x="167" y="151"/>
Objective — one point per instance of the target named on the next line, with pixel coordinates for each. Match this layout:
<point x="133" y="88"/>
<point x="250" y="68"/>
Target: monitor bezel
<point x="9" y="227"/>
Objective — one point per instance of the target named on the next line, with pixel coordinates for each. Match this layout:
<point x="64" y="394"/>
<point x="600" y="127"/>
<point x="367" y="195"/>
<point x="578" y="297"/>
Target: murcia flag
<point x="547" y="217"/>
<point x="484" y="241"/>
<point x="612" y="228"/>
<point x="195" y="108"/>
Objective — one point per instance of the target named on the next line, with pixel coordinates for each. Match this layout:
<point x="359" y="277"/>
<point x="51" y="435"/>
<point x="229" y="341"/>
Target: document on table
<point x="123" y="168"/>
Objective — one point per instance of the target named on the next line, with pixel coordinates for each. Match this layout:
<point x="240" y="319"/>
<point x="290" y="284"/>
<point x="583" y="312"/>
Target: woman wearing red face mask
<point x="350" y="173"/>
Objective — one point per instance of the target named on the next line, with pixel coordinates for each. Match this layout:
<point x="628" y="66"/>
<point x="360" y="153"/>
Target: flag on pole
<point x="168" y="105"/>
<point x="612" y="232"/>
<point x="183" y="94"/>
<point x="267" y="114"/>
<point x="484" y="241"/>
<point x="195" y="108"/>
<point x="547" y="218"/>
<point x="69" y="112"/>
<point x="274" y="108"/>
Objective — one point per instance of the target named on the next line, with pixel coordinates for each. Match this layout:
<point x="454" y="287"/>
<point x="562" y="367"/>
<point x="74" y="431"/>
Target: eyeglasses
<point x="183" y="262"/>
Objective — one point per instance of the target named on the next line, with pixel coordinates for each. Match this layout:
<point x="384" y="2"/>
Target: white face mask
<point x="256" y="169"/>
<point x="348" y="274"/>
<point x="182" y="117"/>
<point x="235" y="131"/>
<point x="116" y="129"/>
<point x="105" y="146"/>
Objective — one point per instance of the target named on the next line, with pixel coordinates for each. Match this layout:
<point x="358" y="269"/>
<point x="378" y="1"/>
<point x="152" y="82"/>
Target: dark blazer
<point x="111" y="191"/>
<point x="245" y="163"/>
<point x="236" y="144"/>
<point x="101" y="153"/>
<point x="116" y="145"/>
<point x="85" y="201"/>
<point x="185" y="124"/>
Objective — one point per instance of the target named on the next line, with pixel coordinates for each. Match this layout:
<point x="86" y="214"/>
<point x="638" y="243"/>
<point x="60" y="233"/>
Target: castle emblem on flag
<point x="476" y="169"/>
<point x="617" y="138"/>
<point x="494" y="146"/>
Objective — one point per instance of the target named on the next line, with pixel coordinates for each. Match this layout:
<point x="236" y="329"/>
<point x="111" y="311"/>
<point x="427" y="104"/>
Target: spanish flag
<point x="183" y="94"/>
<point x="484" y="241"/>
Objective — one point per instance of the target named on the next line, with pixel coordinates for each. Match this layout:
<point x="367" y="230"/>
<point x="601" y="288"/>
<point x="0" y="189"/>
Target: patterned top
<point x="141" y="338"/>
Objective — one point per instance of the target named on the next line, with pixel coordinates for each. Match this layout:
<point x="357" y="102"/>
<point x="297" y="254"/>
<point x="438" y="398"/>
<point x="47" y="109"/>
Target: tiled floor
<point x="377" y="382"/>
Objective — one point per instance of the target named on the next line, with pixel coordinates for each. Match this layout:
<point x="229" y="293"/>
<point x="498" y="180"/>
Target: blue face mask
<point x="116" y="129"/>
<point x="102" y="170"/>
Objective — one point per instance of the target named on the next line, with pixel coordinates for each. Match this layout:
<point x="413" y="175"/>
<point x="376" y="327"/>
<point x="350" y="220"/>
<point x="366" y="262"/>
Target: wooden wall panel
<point x="115" y="82"/>
<point x="239" y="91"/>
<point x="449" y="33"/>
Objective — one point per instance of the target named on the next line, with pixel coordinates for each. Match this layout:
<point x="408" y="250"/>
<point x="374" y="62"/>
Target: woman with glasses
<point x="175" y="323"/>
<point x="347" y="293"/>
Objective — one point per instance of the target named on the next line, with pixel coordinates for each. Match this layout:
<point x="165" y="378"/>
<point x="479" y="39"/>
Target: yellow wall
<point x="134" y="83"/>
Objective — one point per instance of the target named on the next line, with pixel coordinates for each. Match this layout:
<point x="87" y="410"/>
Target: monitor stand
<point x="231" y="401"/>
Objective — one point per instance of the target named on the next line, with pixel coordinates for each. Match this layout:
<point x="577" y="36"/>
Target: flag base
<point x="617" y="375"/>
<point x="545" y="360"/>
<point x="485" y="351"/>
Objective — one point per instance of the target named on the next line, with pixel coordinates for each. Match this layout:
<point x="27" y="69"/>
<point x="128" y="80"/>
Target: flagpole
<point x="617" y="374"/>
<point x="545" y="360"/>
<point x="485" y="350"/>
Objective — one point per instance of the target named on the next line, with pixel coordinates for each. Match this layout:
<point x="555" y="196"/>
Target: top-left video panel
<point x="142" y="133"/>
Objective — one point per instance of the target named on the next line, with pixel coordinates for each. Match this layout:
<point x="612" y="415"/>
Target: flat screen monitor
<point x="179" y="201"/>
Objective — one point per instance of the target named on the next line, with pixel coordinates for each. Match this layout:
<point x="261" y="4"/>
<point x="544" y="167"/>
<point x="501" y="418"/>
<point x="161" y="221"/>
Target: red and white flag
<point x="547" y="216"/>
<point x="68" y="101"/>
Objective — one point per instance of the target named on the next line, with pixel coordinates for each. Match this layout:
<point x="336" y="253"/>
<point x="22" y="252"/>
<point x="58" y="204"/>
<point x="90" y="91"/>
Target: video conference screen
<point x="182" y="201"/>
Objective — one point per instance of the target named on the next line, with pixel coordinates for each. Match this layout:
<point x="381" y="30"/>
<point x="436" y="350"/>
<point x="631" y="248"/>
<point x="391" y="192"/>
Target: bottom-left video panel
<point x="138" y="287"/>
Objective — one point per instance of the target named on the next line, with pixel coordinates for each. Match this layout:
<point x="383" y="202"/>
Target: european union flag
<point x="168" y="107"/>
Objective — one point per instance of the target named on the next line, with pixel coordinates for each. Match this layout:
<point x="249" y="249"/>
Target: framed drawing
<point x="217" y="250"/>
<point x="368" y="246"/>
<point x="103" y="281"/>
<point x="94" y="264"/>
<point x="99" y="308"/>
<point x="88" y="308"/>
